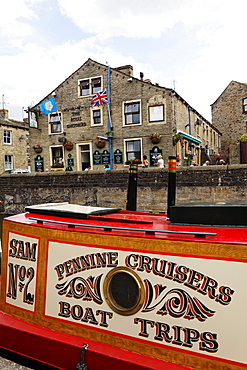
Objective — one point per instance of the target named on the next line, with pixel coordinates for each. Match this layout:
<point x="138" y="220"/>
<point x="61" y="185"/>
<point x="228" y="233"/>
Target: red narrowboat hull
<point x="139" y="291"/>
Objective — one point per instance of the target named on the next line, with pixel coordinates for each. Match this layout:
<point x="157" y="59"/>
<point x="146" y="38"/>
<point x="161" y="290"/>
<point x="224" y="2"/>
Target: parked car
<point x="20" y="170"/>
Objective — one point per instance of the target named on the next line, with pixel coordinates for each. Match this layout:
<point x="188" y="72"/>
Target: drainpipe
<point x="190" y="130"/>
<point x="109" y="117"/>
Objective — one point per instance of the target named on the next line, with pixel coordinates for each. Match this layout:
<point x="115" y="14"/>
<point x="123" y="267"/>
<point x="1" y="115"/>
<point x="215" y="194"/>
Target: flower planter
<point x="100" y="145"/>
<point x="155" y="140"/>
<point x="69" y="146"/>
<point x="134" y="163"/>
<point x="38" y="150"/>
<point x="57" y="166"/>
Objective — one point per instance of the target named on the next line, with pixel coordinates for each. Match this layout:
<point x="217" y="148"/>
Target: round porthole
<point x="124" y="291"/>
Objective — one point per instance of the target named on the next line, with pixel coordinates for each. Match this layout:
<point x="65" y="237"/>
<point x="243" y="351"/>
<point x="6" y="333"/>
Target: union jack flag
<point x="99" y="98"/>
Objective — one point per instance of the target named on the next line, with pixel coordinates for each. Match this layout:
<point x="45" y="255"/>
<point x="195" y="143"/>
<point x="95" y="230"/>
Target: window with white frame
<point x="89" y="86"/>
<point x="245" y="105"/>
<point x="133" y="149"/>
<point x="156" y="113"/>
<point x="96" y="116"/>
<point x="132" y="113"/>
<point x="7" y="137"/>
<point x="57" y="157"/>
<point x="55" y="123"/>
<point x="8" y="162"/>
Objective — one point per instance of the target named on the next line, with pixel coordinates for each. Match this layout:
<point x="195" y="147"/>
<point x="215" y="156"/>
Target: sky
<point x="196" y="47"/>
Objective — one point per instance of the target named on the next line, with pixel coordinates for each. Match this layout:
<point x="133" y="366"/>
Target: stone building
<point x="14" y="135"/>
<point x="229" y="115"/>
<point x="137" y="109"/>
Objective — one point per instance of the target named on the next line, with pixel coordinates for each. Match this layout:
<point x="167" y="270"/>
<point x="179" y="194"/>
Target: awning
<point x="189" y="137"/>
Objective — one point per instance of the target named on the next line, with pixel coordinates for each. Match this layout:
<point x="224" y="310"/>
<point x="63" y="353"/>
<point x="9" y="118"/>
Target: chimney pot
<point x="4" y="113"/>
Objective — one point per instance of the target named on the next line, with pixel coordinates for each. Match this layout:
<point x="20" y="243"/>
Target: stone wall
<point x="78" y="126"/>
<point x="18" y="149"/>
<point x="229" y="118"/>
<point x="109" y="188"/>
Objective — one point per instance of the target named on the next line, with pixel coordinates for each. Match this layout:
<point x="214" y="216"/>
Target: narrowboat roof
<point x="113" y="221"/>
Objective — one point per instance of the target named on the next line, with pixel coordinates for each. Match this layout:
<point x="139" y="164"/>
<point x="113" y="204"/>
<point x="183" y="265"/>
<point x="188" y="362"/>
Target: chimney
<point x="128" y="69"/>
<point x="4" y="113"/>
<point x="141" y="76"/>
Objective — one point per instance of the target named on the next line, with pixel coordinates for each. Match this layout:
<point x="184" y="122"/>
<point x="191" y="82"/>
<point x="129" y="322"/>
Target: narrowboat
<point x="105" y="288"/>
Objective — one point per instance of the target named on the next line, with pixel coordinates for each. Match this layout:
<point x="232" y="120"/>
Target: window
<point x="245" y="105"/>
<point x="156" y="113"/>
<point x="55" y="123"/>
<point x="32" y="119"/>
<point x="133" y="149"/>
<point x="7" y="137"/>
<point x="89" y="86"/>
<point x="57" y="157"/>
<point x="96" y="116"/>
<point x="132" y="113"/>
<point x="8" y="162"/>
<point x="96" y="85"/>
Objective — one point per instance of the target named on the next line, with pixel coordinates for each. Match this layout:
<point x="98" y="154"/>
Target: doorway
<point x="85" y="154"/>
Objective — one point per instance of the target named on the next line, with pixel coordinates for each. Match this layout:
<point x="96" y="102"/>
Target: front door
<point x="243" y="152"/>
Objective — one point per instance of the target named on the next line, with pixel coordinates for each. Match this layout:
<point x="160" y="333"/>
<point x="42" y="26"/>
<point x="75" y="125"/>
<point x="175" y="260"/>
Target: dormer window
<point x="90" y="86"/>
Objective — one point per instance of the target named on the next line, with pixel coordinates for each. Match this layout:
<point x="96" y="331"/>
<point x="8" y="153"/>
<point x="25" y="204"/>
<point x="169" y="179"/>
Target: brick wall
<point x="109" y="188"/>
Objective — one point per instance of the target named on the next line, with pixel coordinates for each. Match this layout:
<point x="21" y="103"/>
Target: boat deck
<point x="135" y="224"/>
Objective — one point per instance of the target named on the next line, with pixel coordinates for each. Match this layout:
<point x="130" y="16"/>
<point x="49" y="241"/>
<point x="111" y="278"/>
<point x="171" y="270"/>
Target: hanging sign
<point x="39" y="163"/>
<point x="70" y="161"/>
<point x="153" y="156"/>
<point x="105" y="157"/>
<point x="97" y="158"/>
<point x="118" y="156"/>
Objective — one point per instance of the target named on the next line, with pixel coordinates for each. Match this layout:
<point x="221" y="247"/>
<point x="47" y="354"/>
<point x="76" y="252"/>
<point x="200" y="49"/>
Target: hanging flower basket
<point x="99" y="143"/>
<point x="68" y="145"/>
<point x="37" y="148"/>
<point x="176" y="138"/>
<point x="155" y="138"/>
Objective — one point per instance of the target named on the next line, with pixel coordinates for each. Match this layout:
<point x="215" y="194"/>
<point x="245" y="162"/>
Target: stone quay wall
<point x="109" y="188"/>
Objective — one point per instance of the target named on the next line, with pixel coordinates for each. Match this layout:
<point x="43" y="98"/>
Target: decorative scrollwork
<point x="176" y="303"/>
<point x="80" y="288"/>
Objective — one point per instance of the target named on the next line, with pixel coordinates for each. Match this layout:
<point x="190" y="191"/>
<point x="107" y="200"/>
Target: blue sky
<point x="198" y="46"/>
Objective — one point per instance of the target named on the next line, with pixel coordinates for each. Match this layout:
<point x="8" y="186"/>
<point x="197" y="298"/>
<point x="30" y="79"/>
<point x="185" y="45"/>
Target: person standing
<point x="160" y="161"/>
<point x="145" y="162"/>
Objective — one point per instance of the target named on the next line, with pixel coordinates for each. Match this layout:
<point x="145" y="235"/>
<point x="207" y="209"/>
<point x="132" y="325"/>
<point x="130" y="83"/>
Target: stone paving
<point x="11" y="361"/>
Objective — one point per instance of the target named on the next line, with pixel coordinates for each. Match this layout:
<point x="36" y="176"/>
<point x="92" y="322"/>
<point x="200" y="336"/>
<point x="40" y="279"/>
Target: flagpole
<point x="109" y="116"/>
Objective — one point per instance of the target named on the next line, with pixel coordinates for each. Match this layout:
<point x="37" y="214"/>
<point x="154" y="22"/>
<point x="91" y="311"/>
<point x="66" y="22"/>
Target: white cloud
<point x="143" y="18"/>
<point x="13" y="16"/>
<point x="200" y="44"/>
<point x="130" y="18"/>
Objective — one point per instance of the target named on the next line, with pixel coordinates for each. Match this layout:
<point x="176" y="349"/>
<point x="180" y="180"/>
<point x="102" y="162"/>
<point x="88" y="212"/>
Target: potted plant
<point x="155" y="138"/>
<point x="68" y="145"/>
<point x="133" y="161"/>
<point x="37" y="148"/>
<point x="58" y="163"/>
<point x="100" y="143"/>
<point x="109" y="133"/>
